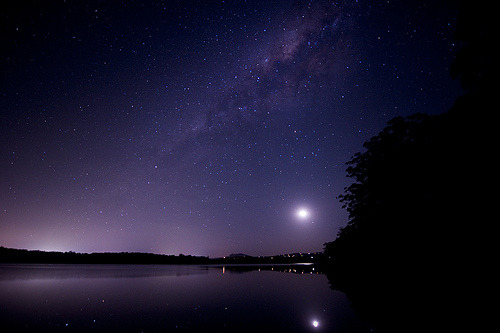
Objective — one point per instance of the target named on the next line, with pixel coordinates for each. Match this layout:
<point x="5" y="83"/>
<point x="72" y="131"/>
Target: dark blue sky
<point x="202" y="127"/>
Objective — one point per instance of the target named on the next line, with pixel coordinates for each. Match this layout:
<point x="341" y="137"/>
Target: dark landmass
<point x="417" y="254"/>
<point x="293" y="268"/>
<point x="8" y="255"/>
<point x="289" y="258"/>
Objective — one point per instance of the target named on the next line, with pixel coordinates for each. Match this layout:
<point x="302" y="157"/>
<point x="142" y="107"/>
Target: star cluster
<point x="201" y="127"/>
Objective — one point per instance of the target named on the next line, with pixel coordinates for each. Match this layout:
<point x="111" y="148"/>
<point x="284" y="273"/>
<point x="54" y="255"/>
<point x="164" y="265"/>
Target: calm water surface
<point x="135" y="298"/>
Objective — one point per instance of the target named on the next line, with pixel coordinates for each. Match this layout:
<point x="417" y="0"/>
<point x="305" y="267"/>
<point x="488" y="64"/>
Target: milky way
<point x="202" y="128"/>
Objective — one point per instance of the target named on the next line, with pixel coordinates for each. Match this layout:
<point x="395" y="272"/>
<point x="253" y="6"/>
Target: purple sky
<point x="203" y="127"/>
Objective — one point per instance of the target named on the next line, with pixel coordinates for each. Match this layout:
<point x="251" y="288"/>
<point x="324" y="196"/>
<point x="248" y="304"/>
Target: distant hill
<point x="238" y="255"/>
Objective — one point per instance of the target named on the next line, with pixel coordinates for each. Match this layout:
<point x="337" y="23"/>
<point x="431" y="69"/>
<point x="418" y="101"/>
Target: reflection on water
<point x="58" y="271"/>
<point x="134" y="298"/>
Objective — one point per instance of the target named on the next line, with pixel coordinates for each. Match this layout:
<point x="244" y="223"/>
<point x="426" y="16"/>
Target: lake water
<point x="136" y="298"/>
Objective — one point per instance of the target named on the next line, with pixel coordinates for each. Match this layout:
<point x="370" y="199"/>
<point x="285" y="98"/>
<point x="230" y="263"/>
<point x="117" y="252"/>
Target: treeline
<point x="8" y="255"/>
<point x="418" y="252"/>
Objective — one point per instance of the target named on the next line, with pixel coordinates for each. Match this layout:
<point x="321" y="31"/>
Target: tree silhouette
<point x="476" y="64"/>
<point x="405" y="233"/>
<point x="419" y="238"/>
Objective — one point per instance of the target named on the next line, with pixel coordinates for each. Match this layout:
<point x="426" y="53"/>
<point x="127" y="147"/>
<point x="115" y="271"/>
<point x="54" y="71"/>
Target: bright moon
<point x="302" y="213"/>
<point x="315" y="323"/>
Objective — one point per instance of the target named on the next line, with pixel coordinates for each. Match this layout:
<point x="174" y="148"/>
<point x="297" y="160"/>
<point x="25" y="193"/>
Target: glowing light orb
<point x="302" y="213"/>
<point x="315" y="323"/>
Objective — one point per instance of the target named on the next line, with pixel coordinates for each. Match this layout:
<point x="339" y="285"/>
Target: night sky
<point x="203" y="127"/>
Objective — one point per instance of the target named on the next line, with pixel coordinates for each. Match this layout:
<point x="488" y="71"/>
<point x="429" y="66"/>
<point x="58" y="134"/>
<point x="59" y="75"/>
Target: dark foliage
<point x="41" y="257"/>
<point x="415" y="252"/>
<point x="476" y="64"/>
<point x="409" y="217"/>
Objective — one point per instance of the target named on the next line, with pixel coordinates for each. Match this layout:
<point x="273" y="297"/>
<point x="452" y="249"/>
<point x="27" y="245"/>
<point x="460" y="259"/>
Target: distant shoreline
<point x="21" y="256"/>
